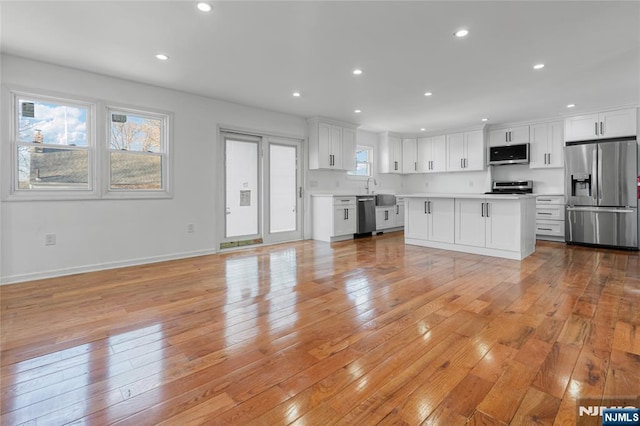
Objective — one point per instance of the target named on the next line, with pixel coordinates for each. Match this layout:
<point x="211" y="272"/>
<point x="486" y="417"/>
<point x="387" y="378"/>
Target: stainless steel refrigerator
<point x="601" y="179"/>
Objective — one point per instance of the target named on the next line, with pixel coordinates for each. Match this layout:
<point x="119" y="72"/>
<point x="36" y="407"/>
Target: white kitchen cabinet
<point x="409" y="156"/>
<point x="430" y="219"/>
<point x="334" y="217"/>
<point x="547" y="143"/>
<point x="465" y="151"/>
<point x="606" y="124"/>
<point x="390" y="153"/>
<point x="470" y="222"/>
<point x="399" y="220"/>
<point x="494" y="224"/>
<point x="509" y="136"/>
<point x="488" y="225"/>
<point x="502" y="231"/>
<point x="385" y="217"/>
<point x="331" y="145"/>
<point x="432" y="154"/>
<point x="550" y="217"/>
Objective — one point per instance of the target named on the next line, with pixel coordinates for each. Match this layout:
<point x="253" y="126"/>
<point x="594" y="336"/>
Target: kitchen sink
<point x="385" y="200"/>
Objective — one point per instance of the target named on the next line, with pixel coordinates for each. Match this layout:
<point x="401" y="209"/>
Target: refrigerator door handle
<point x="599" y="173"/>
<point x="594" y="173"/>
<point x="599" y="210"/>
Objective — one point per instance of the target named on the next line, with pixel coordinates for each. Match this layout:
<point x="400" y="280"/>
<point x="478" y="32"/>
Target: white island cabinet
<point x="492" y="225"/>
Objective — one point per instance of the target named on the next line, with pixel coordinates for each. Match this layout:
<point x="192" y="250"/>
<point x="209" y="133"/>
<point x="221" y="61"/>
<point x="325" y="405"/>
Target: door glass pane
<point x="241" y="188"/>
<point x="282" y="188"/>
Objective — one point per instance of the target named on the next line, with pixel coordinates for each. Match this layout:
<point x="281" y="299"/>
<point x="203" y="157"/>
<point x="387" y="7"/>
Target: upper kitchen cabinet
<point x="465" y="151"/>
<point x="432" y="154"/>
<point x="547" y="141"/>
<point x="607" y="124"/>
<point x="390" y="151"/>
<point x="332" y="145"/>
<point x="509" y="136"/>
<point x="409" y="156"/>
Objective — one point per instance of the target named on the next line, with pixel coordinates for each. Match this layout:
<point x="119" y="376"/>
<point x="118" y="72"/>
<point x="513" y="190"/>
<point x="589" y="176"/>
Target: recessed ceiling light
<point x="162" y="56"/>
<point x="538" y="66"/>
<point x="357" y="111"/>
<point x="296" y="94"/>
<point x="485" y="119"/>
<point x="422" y="129"/>
<point x="428" y="93"/>
<point x="357" y="71"/>
<point x="204" y="7"/>
<point x="461" y="33"/>
<point x="571" y="105"/>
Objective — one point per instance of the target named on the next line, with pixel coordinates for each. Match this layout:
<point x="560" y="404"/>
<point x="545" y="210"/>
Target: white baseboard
<point x="13" y="279"/>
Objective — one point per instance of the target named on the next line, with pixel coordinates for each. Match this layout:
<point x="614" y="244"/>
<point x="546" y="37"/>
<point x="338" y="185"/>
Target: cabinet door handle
<point x="596" y="123"/>
<point x="544" y="199"/>
<point x="425" y="208"/>
<point x="546" y="214"/>
<point x="506" y="136"/>
<point x="487" y="209"/>
<point x="415" y="166"/>
<point x="601" y="128"/>
<point x="386" y="215"/>
<point x="466" y="163"/>
<point x="545" y="229"/>
<point x="346" y="214"/>
<point x="462" y="163"/>
<point x="549" y="161"/>
<point x="397" y="209"/>
<point x="482" y="209"/>
<point x="429" y="204"/>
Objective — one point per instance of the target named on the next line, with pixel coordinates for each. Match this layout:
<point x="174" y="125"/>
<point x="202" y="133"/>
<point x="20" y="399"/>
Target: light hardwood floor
<point x="359" y="332"/>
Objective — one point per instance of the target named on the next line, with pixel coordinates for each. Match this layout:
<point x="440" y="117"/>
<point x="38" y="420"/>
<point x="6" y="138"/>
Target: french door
<point x="263" y="190"/>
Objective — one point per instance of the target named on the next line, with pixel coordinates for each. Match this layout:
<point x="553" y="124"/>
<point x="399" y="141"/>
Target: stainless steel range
<point x="511" y="187"/>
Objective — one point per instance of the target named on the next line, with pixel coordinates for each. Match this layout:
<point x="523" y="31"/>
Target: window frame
<point x="370" y="149"/>
<point x="14" y="191"/>
<point x="98" y="148"/>
<point x="164" y="153"/>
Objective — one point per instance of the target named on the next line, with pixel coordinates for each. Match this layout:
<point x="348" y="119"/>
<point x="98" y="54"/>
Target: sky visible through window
<point x="51" y="123"/>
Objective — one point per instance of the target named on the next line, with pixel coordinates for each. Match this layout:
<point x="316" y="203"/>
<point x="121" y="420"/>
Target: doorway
<point x="263" y="190"/>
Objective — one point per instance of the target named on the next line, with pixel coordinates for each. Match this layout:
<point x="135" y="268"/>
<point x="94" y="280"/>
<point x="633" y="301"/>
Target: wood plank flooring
<point x="360" y="332"/>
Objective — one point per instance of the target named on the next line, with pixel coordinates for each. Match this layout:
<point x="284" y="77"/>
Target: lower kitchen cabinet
<point x="385" y="218"/>
<point x="334" y="217"/>
<point x="430" y="219"/>
<point x="550" y="217"/>
<point x="399" y="211"/>
<point x="475" y="224"/>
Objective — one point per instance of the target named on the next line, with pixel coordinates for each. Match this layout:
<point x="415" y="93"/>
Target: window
<point x="53" y="140"/>
<point x="137" y="150"/>
<point x="60" y="149"/>
<point x="364" y="159"/>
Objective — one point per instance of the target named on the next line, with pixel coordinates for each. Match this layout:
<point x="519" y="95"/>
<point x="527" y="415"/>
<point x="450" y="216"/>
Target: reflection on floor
<point x="356" y="332"/>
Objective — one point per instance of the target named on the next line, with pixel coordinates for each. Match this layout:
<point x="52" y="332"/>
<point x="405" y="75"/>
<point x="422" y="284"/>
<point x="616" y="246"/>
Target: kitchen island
<point x="488" y="224"/>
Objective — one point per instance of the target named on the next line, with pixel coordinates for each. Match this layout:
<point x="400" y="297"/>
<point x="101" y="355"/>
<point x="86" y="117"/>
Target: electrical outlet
<point x="50" y="240"/>
<point x="191" y="228"/>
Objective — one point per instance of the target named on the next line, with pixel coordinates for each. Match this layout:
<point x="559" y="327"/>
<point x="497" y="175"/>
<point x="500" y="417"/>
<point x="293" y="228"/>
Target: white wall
<point x="97" y="234"/>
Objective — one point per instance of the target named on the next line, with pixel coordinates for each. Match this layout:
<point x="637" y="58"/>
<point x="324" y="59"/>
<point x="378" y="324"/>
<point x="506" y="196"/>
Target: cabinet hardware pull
<point x="462" y="163"/>
<point x="386" y="215"/>
<point x="543" y="213"/>
<point x="509" y="135"/>
<point x="488" y="204"/>
<point x="545" y="229"/>
<point x="506" y="136"/>
<point x="549" y="158"/>
<point x="601" y="128"/>
<point x="395" y="165"/>
<point x="425" y="207"/>
<point x="466" y="163"/>
<point x="429" y="204"/>
<point x="482" y="209"/>
<point x="544" y="199"/>
<point x="596" y="123"/>
<point x="415" y="165"/>
<point x="397" y="209"/>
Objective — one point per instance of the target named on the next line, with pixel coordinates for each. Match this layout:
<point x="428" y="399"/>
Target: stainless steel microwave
<point x="509" y="154"/>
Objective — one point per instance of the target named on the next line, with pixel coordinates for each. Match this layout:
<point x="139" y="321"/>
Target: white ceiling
<point x="258" y="53"/>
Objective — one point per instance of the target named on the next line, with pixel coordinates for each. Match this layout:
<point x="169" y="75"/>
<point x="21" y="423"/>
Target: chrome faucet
<point x="366" y="186"/>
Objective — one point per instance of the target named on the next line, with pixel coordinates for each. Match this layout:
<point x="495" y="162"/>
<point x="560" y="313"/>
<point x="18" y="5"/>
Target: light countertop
<point x="463" y="195"/>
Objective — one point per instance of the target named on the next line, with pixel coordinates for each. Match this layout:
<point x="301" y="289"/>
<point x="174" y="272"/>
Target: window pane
<point x="242" y="185"/>
<point x="52" y="168"/>
<point x="51" y="123"/>
<point x="282" y="188"/>
<point x="135" y="171"/>
<point x="135" y="133"/>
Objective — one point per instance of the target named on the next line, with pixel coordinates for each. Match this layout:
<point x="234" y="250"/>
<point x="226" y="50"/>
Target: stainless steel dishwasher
<point x="366" y="211"/>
